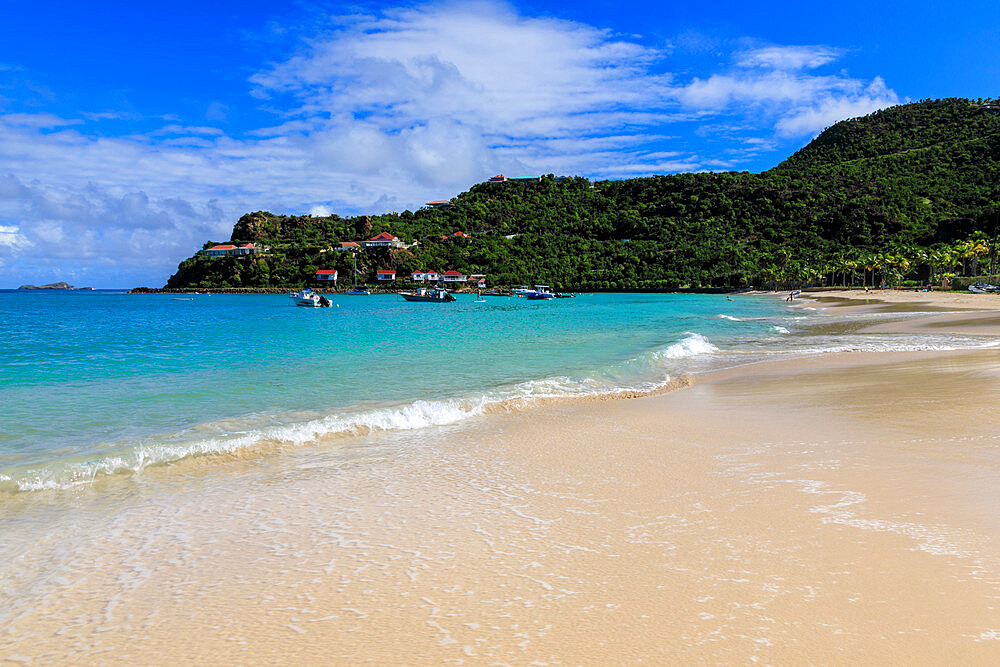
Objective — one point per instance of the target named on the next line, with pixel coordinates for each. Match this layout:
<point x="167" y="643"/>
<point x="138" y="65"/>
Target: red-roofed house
<point x="349" y="245"/>
<point x="327" y="274"/>
<point x="383" y="240"/>
<point x="431" y="276"/>
<point x="461" y="235"/>
<point x="385" y="275"/>
<point x="499" y="178"/>
<point x="417" y="276"/>
<point x="440" y="203"/>
<point x="455" y="277"/>
<point x="221" y="250"/>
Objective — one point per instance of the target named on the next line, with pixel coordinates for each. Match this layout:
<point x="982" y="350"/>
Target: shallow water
<point x="103" y="383"/>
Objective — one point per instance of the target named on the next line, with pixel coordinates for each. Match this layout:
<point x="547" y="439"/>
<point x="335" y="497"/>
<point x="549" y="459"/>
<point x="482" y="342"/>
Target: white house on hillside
<point x="327" y="274"/>
<point x="383" y="240"/>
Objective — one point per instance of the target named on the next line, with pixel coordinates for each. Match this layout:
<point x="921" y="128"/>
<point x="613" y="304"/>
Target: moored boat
<point x="432" y="295"/>
<point x="309" y="299"/>
<point x="357" y="291"/>
<point x="541" y="292"/>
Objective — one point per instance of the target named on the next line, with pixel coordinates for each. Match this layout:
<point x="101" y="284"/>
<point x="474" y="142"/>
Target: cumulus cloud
<point x="829" y="109"/>
<point x="12" y="238"/>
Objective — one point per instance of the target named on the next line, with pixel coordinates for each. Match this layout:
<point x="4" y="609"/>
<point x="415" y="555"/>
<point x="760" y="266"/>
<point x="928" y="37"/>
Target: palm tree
<point x="977" y="246"/>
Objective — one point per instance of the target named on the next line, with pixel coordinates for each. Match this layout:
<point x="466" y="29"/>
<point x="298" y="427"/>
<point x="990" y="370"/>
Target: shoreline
<point x="827" y="508"/>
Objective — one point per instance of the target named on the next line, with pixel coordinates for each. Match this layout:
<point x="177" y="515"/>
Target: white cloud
<point x="12" y="238"/>
<point x="320" y="211"/>
<point x="186" y="130"/>
<point x="789" y="57"/>
<point x="800" y="104"/>
<point x="828" y="110"/>
<point x="38" y="121"/>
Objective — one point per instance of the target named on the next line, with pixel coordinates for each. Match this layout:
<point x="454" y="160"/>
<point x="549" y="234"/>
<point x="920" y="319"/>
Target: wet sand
<point x="833" y="509"/>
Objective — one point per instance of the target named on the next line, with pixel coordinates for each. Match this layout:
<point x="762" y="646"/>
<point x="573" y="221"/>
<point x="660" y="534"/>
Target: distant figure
<point x="791" y="296"/>
<point x="728" y="298"/>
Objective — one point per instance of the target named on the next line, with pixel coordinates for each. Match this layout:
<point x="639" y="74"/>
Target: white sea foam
<point x="694" y="344"/>
<point x="779" y="329"/>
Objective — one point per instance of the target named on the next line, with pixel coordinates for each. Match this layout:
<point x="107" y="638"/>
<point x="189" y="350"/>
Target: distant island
<point x="903" y="196"/>
<point x="49" y="286"/>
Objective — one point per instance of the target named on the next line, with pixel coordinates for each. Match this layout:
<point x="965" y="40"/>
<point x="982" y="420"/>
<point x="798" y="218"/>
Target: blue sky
<point x="130" y="133"/>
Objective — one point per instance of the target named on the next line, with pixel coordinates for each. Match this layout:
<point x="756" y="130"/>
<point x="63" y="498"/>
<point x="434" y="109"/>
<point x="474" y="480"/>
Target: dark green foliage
<point x="896" y="184"/>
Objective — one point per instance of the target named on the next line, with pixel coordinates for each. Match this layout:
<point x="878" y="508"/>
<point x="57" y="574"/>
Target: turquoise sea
<point x="108" y="383"/>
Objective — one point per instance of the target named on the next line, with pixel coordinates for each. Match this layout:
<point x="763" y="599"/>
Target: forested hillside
<point x="911" y="192"/>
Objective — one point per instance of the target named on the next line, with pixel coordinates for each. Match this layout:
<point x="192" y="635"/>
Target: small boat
<point x="984" y="288"/>
<point x="180" y="299"/>
<point x="432" y="295"/>
<point x="541" y="292"/>
<point x="498" y="292"/>
<point x="523" y="290"/>
<point x="564" y="295"/>
<point x="309" y="299"/>
<point x="357" y="291"/>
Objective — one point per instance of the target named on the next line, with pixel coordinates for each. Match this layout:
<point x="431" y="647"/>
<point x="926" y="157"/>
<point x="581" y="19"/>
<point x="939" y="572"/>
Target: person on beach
<point x="791" y="296"/>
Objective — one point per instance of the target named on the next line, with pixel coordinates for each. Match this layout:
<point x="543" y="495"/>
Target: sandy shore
<point x="949" y="300"/>
<point x="834" y="509"/>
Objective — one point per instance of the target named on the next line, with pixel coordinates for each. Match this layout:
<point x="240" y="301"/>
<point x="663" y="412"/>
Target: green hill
<point x="907" y="192"/>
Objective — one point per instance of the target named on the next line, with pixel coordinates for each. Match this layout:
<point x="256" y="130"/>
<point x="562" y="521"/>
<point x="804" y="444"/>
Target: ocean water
<point x="107" y="383"/>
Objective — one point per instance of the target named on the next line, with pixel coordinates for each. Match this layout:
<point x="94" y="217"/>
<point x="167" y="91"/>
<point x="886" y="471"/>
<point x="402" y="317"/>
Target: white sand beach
<point x="830" y="509"/>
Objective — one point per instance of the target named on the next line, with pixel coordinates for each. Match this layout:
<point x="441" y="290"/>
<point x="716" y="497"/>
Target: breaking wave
<point x="233" y="438"/>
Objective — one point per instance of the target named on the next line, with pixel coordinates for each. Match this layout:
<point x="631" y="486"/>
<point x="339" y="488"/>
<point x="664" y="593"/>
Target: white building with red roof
<point x="385" y="276"/>
<point x="454" y="277"/>
<point x="440" y="203"/>
<point x="383" y="240"/>
<point x="327" y="275"/>
<point x="349" y="245"/>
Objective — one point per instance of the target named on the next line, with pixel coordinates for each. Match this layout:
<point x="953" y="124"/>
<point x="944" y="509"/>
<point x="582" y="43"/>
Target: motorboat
<point x="523" y="290"/>
<point x="309" y="299"/>
<point x="540" y="292"/>
<point x="429" y="295"/>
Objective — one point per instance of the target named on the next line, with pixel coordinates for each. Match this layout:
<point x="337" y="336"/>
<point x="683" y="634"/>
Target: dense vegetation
<point x="911" y="192"/>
